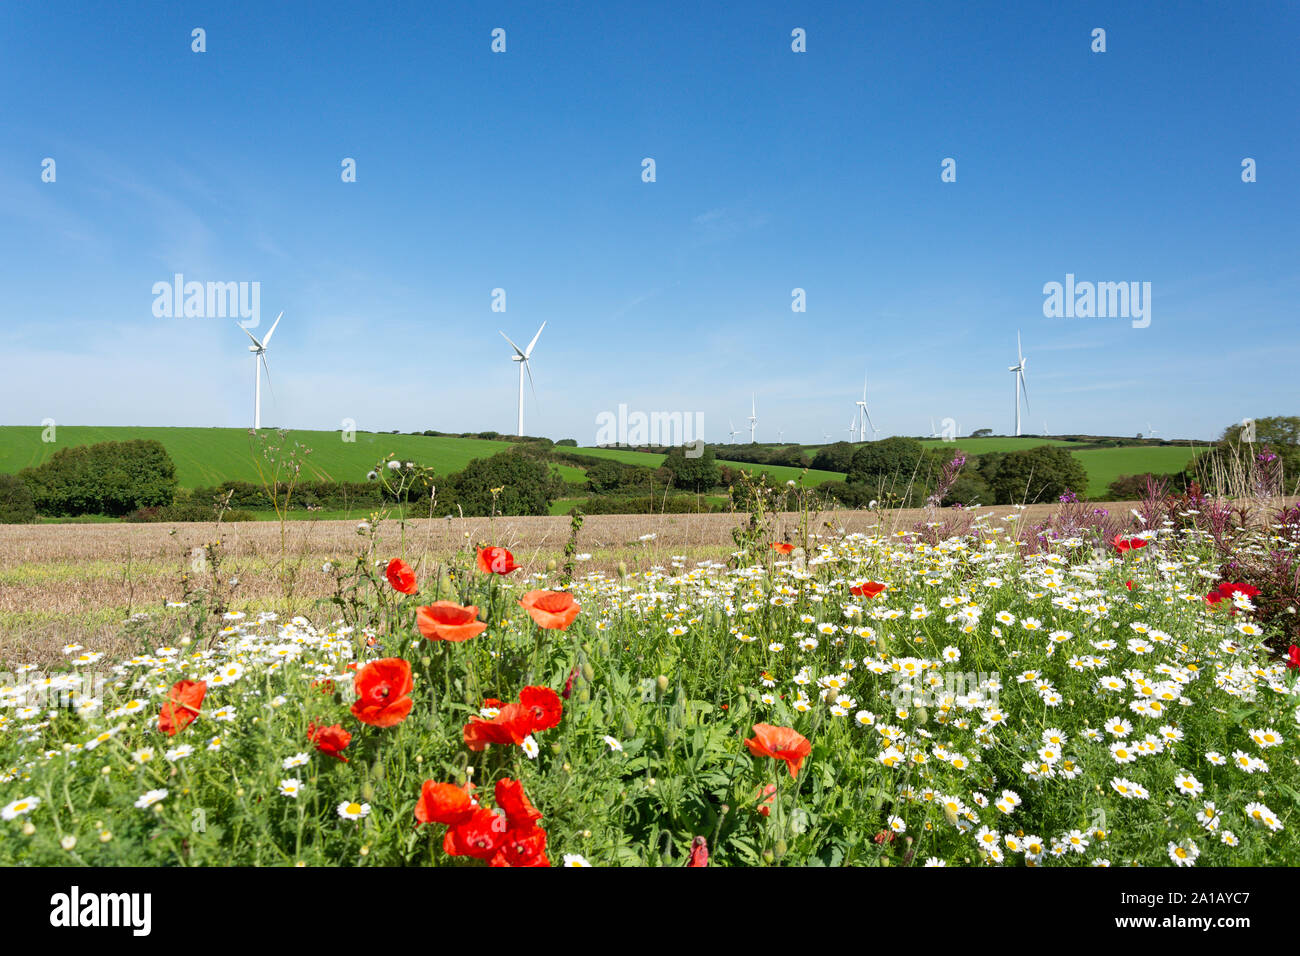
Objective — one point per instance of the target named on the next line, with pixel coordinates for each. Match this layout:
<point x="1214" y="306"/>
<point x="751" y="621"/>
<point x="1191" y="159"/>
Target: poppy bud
<point x="584" y="696"/>
<point x="568" y="684"/>
<point x="426" y="660"/>
<point x="662" y="683"/>
<point x="588" y="672"/>
<point x="367" y="791"/>
<point x="882" y="643"/>
<point x="622" y="569"/>
<point x="922" y="715"/>
<point x="779" y="849"/>
<point x="629" y="728"/>
<point x="768" y="856"/>
<point x="377" y="769"/>
<point x="551" y="565"/>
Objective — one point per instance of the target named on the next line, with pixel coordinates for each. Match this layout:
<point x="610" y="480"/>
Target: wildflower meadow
<point x="1097" y="690"/>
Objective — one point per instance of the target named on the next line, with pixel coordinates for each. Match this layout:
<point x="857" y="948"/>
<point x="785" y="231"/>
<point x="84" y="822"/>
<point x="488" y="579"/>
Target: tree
<point x="111" y="478"/>
<point x="16" y="505"/>
<point x="1040" y="474"/>
<point x="526" y="485"/>
<point x="834" y="457"/>
<point x="981" y="433"/>
<point x="695" y="474"/>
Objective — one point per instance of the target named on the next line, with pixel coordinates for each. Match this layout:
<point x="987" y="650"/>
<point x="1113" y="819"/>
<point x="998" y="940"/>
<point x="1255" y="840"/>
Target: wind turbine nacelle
<point x="516" y="358"/>
<point x="254" y="348"/>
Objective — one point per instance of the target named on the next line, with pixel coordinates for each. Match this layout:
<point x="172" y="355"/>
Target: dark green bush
<point x="16" y="504"/>
<point x="111" y="478"/>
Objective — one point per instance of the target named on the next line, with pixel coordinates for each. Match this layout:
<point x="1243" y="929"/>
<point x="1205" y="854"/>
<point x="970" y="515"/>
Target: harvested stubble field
<point x="62" y="583"/>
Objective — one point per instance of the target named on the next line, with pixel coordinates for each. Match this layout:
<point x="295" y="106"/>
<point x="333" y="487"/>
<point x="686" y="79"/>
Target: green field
<point x="1106" y="464"/>
<point x="982" y="446"/>
<point x="778" y="472"/>
<point x="207" y="456"/>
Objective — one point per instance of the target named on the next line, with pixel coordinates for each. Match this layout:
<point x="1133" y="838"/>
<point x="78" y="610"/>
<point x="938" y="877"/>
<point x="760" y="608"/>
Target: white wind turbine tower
<point x="753" y="417"/>
<point x="521" y="356"/>
<point x="933" y="433"/>
<point x="866" y="415"/>
<point x="1019" y="369"/>
<point x="259" y="355"/>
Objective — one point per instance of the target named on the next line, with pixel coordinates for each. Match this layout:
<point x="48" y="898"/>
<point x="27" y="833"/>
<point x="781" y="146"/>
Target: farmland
<point x="208" y="456"/>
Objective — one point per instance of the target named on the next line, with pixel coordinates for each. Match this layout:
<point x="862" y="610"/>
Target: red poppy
<point x="182" y="706"/>
<point x="479" y="836"/>
<point x="401" y="577"/>
<point x="884" y="836"/>
<point x="553" y="610"/>
<point x="444" y="803"/>
<point x="782" y="547"/>
<point x="448" y="621"/>
<point x="1129" y="585"/>
<point x="522" y="847"/>
<point x="1123" y="544"/>
<point x="325" y="684"/>
<point x="765" y="797"/>
<point x="699" y="852"/>
<point x="544" y="705"/>
<point x="1293" y="658"/>
<point x="1225" y="592"/>
<point x="539" y="708"/>
<point x="520" y="813"/>
<point x="780" y="743"/>
<point x="496" y="561"/>
<point x="331" y="741"/>
<point x="382" y="688"/>
<point x="868" y="590"/>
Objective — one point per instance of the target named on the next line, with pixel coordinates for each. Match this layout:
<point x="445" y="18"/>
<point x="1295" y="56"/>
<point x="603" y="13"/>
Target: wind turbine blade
<point x="1025" y="391"/>
<point x="512" y="345"/>
<point x="529" y="351"/>
<point x="1019" y="351"/>
<point x="249" y="334"/>
<point x="528" y="367"/>
<point x="268" y="374"/>
<point x="267" y="341"/>
<point x="869" y="421"/>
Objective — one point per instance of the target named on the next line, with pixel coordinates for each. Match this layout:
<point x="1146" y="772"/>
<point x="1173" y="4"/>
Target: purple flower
<point x="1069" y="498"/>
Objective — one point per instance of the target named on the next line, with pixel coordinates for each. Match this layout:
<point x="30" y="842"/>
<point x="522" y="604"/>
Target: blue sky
<point x="775" y="170"/>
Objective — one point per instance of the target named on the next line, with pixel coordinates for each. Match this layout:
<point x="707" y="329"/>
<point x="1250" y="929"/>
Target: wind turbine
<point x="866" y="415"/>
<point x="1150" y="431"/>
<point x="853" y="429"/>
<point x="734" y="431"/>
<point x="933" y="433"/>
<point x="521" y="356"/>
<point x="259" y="355"/>
<point x="1044" y="427"/>
<point x="1020" y="389"/>
<point x="753" y="417"/>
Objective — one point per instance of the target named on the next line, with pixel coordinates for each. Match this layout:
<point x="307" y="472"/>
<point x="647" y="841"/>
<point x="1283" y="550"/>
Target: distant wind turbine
<point x="866" y="415"/>
<point x="933" y="433"/>
<point x="259" y="355"/>
<point x="734" y="432"/>
<point x="521" y="356"/>
<point x="753" y="417"/>
<point x="1019" y="369"/>
<point x="1150" y="431"/>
